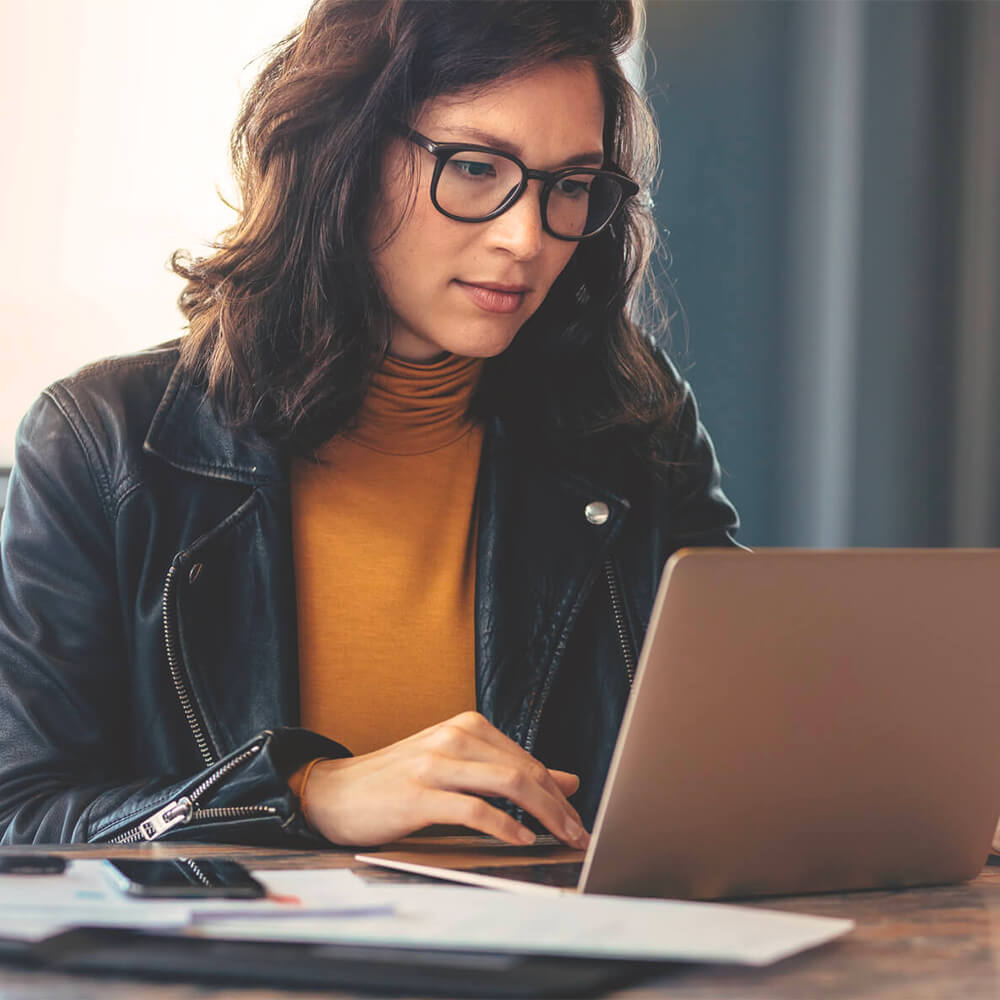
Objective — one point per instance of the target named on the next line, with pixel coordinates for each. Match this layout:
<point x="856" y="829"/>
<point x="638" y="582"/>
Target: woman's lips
<point x="495" y="300"/>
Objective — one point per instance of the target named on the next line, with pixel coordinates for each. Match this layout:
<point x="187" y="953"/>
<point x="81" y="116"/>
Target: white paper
<point x="82" y="895"/>
<point x="30" y="928"/>
<point x="338" y="906"/>
<point x="296" y="894"/>
<point x="459" y="918"/>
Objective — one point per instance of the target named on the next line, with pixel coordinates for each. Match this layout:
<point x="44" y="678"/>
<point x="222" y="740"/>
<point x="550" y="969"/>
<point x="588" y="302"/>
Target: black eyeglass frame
<point x="443" y="151"/>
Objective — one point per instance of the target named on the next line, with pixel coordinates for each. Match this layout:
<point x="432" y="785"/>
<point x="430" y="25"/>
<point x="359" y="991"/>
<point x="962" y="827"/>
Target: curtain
<point x="831" y="188"/>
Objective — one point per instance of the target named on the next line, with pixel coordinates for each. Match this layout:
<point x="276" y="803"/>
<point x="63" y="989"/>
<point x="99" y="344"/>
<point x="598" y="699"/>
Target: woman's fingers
<point x="568" y="783"/>
<point x="507" y="781"/>
<point x="527" y="770"/>
<point x="455" y="809"/>
<point x="470" y="737"/>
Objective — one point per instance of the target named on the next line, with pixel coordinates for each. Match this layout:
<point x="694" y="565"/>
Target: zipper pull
<point x="171" y="815"/>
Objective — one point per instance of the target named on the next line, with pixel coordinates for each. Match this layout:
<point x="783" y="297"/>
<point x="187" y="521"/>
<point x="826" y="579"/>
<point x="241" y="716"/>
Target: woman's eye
<point x="473" y="168"/>
<point x="572" y="188"/>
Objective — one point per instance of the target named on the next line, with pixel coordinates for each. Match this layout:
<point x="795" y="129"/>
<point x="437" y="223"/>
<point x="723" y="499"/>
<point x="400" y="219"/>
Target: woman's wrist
<point x="298" y="783"/>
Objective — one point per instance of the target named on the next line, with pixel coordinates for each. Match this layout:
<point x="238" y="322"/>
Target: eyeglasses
<point x="477" y="183"/>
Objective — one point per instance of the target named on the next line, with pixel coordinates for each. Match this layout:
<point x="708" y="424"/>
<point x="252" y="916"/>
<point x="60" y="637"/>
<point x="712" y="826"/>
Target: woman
<point x="375" y="544"/>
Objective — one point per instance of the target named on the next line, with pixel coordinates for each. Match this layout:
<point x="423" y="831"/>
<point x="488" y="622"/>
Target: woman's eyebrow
<point x="593" y="157"/>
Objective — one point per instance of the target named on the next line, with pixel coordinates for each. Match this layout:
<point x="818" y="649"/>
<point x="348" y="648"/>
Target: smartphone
<point x="31" y="864"/>
<point x="184" y="878"/>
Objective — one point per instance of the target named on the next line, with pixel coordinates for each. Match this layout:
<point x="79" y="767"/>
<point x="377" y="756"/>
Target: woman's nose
<point x="519" y="230"/>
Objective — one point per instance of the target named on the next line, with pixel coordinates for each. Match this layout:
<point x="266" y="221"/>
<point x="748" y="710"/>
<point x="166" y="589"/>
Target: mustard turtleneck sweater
<point x="384" y="535"/>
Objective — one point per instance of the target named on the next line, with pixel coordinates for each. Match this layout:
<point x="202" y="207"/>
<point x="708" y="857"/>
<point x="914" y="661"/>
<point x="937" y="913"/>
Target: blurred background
<point x="830" y="186"/>
<point x="831" y="183"/>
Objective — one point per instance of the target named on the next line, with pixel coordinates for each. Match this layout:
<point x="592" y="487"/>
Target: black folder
<point x="371" y="969"/>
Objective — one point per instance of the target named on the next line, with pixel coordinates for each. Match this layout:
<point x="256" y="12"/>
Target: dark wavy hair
<point x="287" y="321"/>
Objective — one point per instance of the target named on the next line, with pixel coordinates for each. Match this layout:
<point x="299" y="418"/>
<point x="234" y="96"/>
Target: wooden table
<point x="918" y="944"/>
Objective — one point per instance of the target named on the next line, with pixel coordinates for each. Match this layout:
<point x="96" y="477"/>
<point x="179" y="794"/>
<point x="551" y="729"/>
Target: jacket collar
<point x="187" y="433"/>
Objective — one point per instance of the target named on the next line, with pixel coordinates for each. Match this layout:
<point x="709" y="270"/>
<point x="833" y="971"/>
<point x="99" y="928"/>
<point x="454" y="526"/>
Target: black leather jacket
<point x="148" y="661"/>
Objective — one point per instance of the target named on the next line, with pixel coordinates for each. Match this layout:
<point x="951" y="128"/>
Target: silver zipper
<point x="173" y="661"/>
<point x="173" y="813"/>
<point x="195" y="869"/>
<point x="618" y="607"/>
<point x="183" y="809"/>
<point x="233" y="812"/>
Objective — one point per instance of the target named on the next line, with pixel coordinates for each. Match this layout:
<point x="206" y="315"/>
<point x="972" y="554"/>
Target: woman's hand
<point x="438" y="776"/>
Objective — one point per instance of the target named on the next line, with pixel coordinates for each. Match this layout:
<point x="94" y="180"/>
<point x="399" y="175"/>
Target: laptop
<point x="801" y="721"/>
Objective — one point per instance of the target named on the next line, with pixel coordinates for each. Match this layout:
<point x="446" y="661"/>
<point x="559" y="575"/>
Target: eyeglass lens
<point x="473" y="184"/>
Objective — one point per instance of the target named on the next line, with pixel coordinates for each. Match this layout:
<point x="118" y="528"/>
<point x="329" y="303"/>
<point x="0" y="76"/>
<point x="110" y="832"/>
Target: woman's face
<point x="467" y="287"/>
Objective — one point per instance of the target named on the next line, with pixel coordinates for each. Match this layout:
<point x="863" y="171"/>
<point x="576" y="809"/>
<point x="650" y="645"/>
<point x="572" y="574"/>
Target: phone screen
<point x="185" y="878"/>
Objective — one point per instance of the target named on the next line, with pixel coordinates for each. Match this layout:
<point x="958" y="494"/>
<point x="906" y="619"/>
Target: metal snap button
<point x="596" y="512"/>
<point x="195" y="572"/>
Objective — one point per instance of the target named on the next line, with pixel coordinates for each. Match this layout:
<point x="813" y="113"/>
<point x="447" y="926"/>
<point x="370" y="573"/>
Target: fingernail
<point x="525" y="836"/>
<point x="574" y="832"/>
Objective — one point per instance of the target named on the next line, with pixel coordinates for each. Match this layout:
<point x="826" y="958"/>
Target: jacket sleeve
<point x="699" y="511"/>
<point x="65" y="690"/>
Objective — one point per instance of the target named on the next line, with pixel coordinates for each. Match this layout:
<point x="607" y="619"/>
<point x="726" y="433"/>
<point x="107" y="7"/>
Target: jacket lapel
<point x="232" y="604"/>
<point x="537" y="559"/>
<point x="186" y="432"/>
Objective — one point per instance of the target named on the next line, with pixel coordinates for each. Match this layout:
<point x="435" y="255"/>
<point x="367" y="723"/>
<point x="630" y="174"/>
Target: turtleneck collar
<point x="411" y="408"/>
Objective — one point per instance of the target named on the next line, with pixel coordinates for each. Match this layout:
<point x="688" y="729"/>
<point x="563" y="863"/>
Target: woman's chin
<point x="468" y="344"/>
